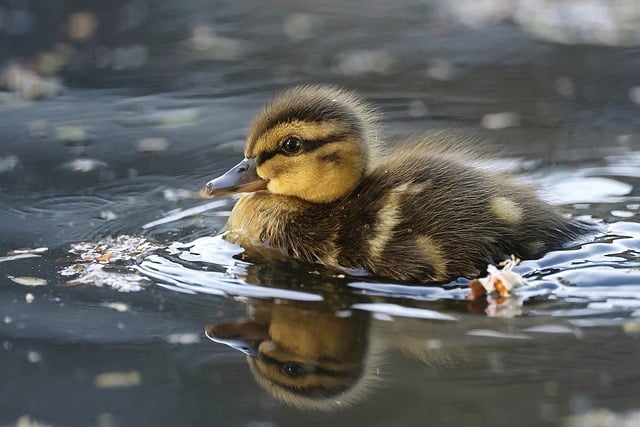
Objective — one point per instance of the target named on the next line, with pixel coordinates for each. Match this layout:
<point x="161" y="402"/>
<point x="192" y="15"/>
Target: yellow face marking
<point x="434" y="255"/>
<point x="329" y="171"/>
<point x="506" y="210"/>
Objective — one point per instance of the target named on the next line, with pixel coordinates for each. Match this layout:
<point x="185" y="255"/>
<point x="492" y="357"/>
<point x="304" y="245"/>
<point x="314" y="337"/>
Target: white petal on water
<point x="28" y="281"/>
<point x="39" y="250"/>
<point x="117" y="306"/>
<point x="16" y="257"/>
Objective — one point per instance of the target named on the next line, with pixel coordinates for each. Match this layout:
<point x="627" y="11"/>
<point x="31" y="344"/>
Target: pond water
<point x="120" y="304"/>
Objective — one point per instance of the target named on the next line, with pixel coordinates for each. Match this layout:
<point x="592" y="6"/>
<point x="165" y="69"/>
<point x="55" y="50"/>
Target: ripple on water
<point x="175" y="276"/>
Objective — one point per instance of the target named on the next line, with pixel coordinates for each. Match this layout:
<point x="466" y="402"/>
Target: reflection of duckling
<point x="305" y="356"/>
<point x="324" y="355"/>
<point x="321" y="192"/>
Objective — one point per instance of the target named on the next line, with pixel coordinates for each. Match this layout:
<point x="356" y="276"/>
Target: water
<point x="154" y="328"/>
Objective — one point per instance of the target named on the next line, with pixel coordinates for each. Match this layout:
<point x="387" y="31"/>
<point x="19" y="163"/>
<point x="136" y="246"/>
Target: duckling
<point x="321" y="188"/>
<point x="303" y="354"/>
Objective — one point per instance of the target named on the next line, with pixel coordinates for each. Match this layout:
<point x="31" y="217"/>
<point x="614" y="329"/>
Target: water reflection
<point x="325" y="355"/>
<point x="315" y="356"/>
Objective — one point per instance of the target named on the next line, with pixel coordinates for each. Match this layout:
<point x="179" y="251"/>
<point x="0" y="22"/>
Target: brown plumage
<point x="322" y="192"/>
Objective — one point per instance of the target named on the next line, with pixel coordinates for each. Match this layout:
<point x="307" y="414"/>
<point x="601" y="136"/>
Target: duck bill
<point x="243" y="337"/>
<point x="242" y="178"/>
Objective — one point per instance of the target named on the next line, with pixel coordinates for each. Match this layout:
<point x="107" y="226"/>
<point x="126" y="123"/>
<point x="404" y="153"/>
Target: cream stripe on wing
<point x="386" y="220"/>
<point x="434" y="255"/>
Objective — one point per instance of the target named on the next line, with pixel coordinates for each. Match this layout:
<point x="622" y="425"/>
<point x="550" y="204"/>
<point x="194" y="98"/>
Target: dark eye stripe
<point x="317" y="369"/>
<point x="308" y="145"/>
<point x="311" y="110"/>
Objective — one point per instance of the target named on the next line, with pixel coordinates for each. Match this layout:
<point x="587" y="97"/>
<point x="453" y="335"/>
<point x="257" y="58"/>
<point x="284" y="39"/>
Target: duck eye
<point x="293" y="369"/>
<point x="291" y="145"/>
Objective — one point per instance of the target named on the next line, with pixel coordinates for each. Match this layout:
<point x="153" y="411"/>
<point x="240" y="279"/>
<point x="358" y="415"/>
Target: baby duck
<point x="321" y="190"/>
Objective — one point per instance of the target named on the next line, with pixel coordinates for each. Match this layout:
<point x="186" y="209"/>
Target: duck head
<point x="311" y="142"/>
<point x="304" y="355"/>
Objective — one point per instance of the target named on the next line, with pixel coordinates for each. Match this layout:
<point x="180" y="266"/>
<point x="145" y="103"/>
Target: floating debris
<point x="34" y="357"/>
<point x="9" y="163"/>
<point x="95" y="274"/>
<point x="497" y="121"/>
<point x="176" y="117"/>
<point x="118" y="379"/>
<point x="117" y="254"/>
<point x="70" y="134"/>
<point x="33" y="251"/>
<point x="82" y="25"/>
<point x="493" y="294"/>
<point x="297" y="26"/>
<point x="183" y="339"/>
<point x="28" y="281"/>
<point x="38" y="128"/>
<point x="84" y="165"/>
<point x="206" y="43"/>
<point x="117" y="306"/>
<point x="26" y="421"/>
<point x="356" y="62"/>
<point x="16" y="257"/>
<point x="108" y="215"/>
<point x="110" y="250"/>
<point x="500" y="282"/>
<point x="29" y="84"/>
<point x="177" y="194"/>
<point x="440" y="69"/>
<point x="417" y="108"/>
<point x="29" y="298"/>
<point x="150" y="145"/>
<point x="631" y="327"/>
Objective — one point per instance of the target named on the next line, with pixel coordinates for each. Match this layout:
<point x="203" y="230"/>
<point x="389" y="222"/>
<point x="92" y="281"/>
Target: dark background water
<point x="155" y="100"/>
